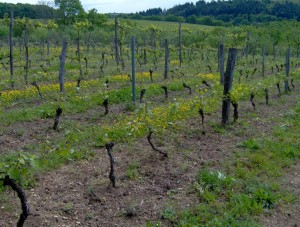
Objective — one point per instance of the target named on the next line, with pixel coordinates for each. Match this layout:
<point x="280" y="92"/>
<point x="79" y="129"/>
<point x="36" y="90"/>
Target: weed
<point x="241" y="205"/>
<point x="249" y="144"/>
<point x="169" y="214"/>
<point x="266" y="198"/>
<point x="130" y="107"/>
<point x="90" y="190"/>
<point x="213" y="180"/>
<point x="68" y="208"/>
<point x="132" y="170"/>
<point x="217" y="127"/>
<point x="88" y="216"/>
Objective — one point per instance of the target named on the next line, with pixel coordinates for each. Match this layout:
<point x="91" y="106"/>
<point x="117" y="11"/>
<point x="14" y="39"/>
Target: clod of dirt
<point x="130" y="211"/>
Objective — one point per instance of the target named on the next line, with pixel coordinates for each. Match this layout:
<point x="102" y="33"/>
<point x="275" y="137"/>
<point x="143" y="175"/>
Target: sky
<point x="117" y="6"/>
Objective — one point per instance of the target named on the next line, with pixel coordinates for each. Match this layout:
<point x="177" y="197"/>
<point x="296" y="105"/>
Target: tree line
<point x="233" y="12"/>
<point x="27" y="10"/>
<point x="64" y="12"/>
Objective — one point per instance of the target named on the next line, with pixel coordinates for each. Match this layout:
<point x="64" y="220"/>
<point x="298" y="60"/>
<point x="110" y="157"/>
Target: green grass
<point x="78" y="102"/>
<point x="250" y="186"/>
<point x="132" y="170"/>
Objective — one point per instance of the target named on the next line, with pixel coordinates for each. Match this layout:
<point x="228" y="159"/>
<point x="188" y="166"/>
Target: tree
<point x="69" y="11"/>
<point x="11" y="48"/>
<point x="95" y="18"/>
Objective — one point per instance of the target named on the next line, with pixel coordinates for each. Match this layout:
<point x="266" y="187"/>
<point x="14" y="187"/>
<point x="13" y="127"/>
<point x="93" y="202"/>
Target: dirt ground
<point x="79" y="194"/>
<point x="288" y="215"/>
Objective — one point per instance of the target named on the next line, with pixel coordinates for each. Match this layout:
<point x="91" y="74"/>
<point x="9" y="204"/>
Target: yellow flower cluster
<point x="157" y="118"/>
<point x="209" y="76"/>
<point x="174" y="62"/>
<point x="127" y="77"/>
<point x="119" y="78"/>
<point x="238" y="92"/>
<point x="30" y="91"/>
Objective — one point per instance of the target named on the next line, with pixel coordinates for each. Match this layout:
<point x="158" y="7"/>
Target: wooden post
<point x="79" y="54"/>
<point x="166" y="59"/>
<point x="26" y="53"/>
<point x="221" y="62"/>
<point x="133" y="68"/>
<point x="117" y="41"/>
<point x="263" y="61"/>
<point x="219" y="56"/>
<point x="11" y="49"/>
<point x="227" y="85"/>
<point x="180" y="44"/>
<point x="48" y="48"/>
<point x="62" y="58"/>
<point x="274" y="52"/>
<point x="247" y="45"/>
<point x="254" y="52"/>
<point x="287" y="70"/>
<point x="145" y="56"/>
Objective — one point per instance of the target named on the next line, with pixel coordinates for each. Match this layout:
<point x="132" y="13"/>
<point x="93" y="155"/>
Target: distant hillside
<point x="234" y="12"/>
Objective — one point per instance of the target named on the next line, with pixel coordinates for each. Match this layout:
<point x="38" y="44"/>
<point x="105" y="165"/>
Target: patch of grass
<point x="24" y="167"/>
<point x="132" y="170"/>
<point x="266" y="198"/>
<point x="218" y="128"/>
<point x="68" y="208"/>
<point x="88" y="216"/>
<point x="249" y="144"/>
<point x="6" y="205"/>
<point x="241" y="205"/>
<point x="168" y="214"/>
<point x="214" y="181"/>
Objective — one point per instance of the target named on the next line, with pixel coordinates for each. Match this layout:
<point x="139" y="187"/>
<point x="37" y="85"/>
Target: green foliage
<point x="97" y="20"/>
<point x="132" y="171"/>
<point x="20" y="167"/>
<point x="214" y="181"/>
<point x="3" y="30"/>
<point x="79" y="25"/>
<point x="24" y="167"/>
<point x="249" y="144"/>
<point x="168" y="213"/>
<point x="265" y="198"/>
<point x="33" y="11"/>
<point x="242" y="205"/>
<point x="68" y="209"/>
<point x="220" y="13"/>
<point x="69" y="11"/>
